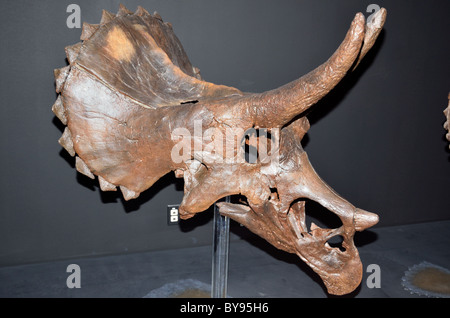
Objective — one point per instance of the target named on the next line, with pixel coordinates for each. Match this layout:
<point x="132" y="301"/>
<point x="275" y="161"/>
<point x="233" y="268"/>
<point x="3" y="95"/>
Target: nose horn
<point x="363" y="219"/>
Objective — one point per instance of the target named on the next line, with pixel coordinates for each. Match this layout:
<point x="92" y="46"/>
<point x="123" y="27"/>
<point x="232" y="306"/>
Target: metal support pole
<point x="221" y="242"/>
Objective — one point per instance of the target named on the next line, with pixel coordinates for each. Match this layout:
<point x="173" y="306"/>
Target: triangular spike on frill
<point x="128" y="194"/>
<point x="66" y="142"/>
<point x="140" y="11"/>
<point x="72" y="52"/>
<point x="82" y="168"/>
<point x="157" y="16"/>
<point x="123" y="11"/>
<point x="105" y="185"/>
<point x="87" y="30"/>
<point x="59" y="111"/>
<point x="106" y="17"/>
<point x="60" y="77"/>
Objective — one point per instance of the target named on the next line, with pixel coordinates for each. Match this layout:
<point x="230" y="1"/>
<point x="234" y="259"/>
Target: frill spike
<point x="66" y="141"/>
<point x="106" y="17"/>
<point x="123" y="11"/>
<point x="59" y="111"/>
<point x="60" y="77"/>
<point x="88" y="30"/>
<point x="105" y="185"/>
<point x="72" y="52"/>
<point x="82" y="168"/>
<point x="140" y="11"/>
<point x="128" y="194"/>
<point x="157" y="16"/>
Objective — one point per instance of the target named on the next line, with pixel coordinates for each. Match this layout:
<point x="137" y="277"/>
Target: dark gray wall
<point x="377" y="139"/>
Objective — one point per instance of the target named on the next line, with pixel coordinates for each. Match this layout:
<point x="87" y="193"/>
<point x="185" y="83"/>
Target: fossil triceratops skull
<point x="130" y="86"/>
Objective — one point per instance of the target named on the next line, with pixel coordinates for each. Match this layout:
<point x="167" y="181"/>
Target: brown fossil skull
<point x="131" y="100"/>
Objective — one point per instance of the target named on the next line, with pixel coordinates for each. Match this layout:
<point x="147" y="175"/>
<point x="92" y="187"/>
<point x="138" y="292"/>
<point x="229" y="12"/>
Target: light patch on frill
<point x="119" y="46"/>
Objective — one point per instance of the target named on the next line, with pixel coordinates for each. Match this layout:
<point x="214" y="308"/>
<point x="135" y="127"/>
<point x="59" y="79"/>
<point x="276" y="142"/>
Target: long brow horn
<point x="276" y="107"/>
<point x="373" y="28"/>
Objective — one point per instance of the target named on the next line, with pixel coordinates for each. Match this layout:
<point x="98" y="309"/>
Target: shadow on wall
<point x="116" y="196"/>
<point x="447" y="148"/>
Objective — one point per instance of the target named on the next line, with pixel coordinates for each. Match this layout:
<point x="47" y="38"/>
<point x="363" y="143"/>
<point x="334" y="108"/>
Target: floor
<point x="256" y="269"/>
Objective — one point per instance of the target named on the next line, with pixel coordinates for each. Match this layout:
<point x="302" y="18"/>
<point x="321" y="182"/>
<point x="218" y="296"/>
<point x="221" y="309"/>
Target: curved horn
<point x="277" y="107"/>
<point x="373" y="29"/>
